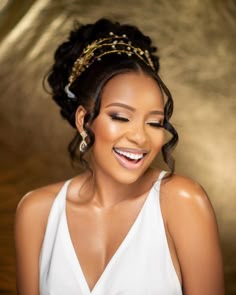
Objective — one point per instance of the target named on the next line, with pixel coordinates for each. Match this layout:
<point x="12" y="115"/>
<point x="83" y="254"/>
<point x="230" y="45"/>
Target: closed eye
<point x="155" y="124"/>
<point x="119" y="118"/>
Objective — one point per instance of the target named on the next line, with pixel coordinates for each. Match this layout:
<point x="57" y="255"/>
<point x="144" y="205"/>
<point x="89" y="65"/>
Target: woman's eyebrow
<point x="157" y="113"/>
<point x="119" y="104"/>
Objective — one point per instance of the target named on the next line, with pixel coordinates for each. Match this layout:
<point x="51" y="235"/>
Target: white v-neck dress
<point x="142" y="264"/>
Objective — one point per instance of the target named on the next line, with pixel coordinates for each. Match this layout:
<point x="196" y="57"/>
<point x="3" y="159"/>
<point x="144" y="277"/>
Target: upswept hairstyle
<point x="88" y="86"/>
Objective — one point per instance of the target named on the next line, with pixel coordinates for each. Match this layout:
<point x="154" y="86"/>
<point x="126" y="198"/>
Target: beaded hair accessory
<point x="98" y="48"/>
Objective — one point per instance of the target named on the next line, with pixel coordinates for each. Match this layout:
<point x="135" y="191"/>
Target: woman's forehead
<point x="131" y="88"/>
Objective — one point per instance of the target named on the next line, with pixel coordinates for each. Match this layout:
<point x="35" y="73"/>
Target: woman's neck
<point x="105" y="191"/>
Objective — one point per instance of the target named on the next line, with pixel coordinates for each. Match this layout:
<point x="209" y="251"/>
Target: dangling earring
<point x="83" y="145"/>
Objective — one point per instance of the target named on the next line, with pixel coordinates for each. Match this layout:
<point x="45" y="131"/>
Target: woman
<point x="120" y="227"/>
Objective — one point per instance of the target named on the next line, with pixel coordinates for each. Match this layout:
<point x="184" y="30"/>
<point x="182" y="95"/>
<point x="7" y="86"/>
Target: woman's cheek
<point x="159" y="140"/>
<point x="106" y="129"/>
<point x="114" y="130"/>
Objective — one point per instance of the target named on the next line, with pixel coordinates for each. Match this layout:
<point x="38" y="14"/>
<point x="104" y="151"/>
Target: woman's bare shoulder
<point x="40" y="198"/>
<point x="30" y="224"/>
<point x="181" y="192"/>
<point x="186" y="208"/>
<point x="37" y="203"/>
<point x="191" y="222"/>
<point x="33" y="209"/>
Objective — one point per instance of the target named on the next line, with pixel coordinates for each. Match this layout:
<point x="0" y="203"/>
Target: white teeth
<point x="130" y="155"/>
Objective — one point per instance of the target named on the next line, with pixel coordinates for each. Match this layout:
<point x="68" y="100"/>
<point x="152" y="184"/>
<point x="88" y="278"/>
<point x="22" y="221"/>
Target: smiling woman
<point x="129" y="130"/>
<point x="120" y="227"/>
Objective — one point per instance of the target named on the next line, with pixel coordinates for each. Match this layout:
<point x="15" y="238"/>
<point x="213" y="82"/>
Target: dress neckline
<point x="74" y="259"/>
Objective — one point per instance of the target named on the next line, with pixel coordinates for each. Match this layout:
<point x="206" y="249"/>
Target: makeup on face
<point x="128" y="130"/>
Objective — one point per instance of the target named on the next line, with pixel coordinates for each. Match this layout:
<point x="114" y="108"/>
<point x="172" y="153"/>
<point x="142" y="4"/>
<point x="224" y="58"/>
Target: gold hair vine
<point x="98" y="48"/>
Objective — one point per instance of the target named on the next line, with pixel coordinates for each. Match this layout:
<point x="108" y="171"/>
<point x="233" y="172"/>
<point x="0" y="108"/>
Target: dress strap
<point x="61" y="197"/>
<point x="157" y="183"/>
<point x="161" y="175"/>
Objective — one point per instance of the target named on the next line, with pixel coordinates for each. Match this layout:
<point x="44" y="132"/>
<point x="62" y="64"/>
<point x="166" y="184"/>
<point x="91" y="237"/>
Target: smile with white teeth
<point x="130" y="156"/>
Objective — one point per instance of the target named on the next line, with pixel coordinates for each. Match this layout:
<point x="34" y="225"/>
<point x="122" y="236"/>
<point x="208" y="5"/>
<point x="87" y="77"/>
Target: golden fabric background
<point x="197" y="45"/>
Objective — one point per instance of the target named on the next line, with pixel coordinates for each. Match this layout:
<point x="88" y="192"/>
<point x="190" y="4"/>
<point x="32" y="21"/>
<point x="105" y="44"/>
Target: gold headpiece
<point x="98" y="48"/>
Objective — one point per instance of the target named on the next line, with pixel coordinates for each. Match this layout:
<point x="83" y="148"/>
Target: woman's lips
<point x="128" y="159"/>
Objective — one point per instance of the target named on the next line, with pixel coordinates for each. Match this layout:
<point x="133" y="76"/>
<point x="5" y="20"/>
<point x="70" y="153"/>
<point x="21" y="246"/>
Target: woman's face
<point x="128" y="132"/>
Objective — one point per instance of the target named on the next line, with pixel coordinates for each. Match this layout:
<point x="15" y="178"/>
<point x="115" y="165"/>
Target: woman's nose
<point x="137" y="134"/>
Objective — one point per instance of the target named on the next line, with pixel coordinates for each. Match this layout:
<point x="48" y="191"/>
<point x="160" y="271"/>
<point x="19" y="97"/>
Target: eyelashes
<point x="120" y="118"/>
<point x="156" y="124"/>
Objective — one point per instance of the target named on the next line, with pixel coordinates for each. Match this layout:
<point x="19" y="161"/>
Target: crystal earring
<point x="83" y="145"/>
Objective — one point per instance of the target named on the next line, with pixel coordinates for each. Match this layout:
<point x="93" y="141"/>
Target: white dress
<point x="142" y="264"/>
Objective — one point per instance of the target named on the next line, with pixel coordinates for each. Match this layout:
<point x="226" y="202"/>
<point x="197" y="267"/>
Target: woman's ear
<point x="79" y="118"/>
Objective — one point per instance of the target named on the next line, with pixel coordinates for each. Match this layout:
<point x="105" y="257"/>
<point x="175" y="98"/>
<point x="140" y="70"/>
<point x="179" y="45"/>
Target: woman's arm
<point x="192" y="225"/>
<point x="30" y="224"/>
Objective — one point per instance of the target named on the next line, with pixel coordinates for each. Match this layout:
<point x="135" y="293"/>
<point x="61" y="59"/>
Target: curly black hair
<point x="88" y="86"/>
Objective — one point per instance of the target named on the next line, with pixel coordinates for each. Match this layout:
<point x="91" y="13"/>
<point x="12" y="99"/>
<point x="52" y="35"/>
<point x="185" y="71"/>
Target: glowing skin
<point x="128" y="130"/>
<point x="100" y="218"/>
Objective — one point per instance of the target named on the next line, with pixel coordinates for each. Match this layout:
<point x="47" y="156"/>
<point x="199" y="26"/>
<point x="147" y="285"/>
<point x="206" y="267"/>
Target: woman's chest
<point x="97" y="234"/>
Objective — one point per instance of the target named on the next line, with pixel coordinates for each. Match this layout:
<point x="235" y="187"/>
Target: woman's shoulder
<point x="40" y="198"/>
<point x="34" y="207"/>
<point x="186" y="206"/>
<point x="186" y="199"/>
<point x="179" y="189"/>
<point x="191" y="224"/>
<point x="31" y="220"/>
<point x="38" y="202"/>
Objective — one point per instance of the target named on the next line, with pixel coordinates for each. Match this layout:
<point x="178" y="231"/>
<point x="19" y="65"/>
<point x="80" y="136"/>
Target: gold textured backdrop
<point x="197" y="45"/>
